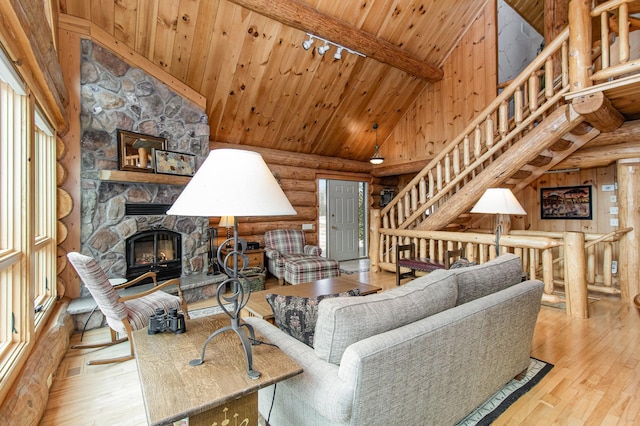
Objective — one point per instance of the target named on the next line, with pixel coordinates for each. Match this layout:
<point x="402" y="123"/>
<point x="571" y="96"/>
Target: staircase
<point x="524" y="132"/>
<point x="530" y="127"/>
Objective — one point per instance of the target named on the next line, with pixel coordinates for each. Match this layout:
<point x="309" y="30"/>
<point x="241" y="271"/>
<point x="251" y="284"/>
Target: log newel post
<point x="579" y="44"/>
<point x="628" y="172"/>
<point x="574" y="275"/>
<point x="374" y="239"/>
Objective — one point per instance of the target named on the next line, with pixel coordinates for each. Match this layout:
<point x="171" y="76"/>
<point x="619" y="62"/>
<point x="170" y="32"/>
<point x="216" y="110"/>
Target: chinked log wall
<point x="298" y="175"/>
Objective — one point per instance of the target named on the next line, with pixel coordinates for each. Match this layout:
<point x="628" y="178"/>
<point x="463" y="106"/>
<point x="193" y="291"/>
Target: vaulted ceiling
<point x="264" y="89"/>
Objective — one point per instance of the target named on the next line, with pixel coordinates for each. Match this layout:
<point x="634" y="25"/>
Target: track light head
<point x="306" y="45"/>
<point x="323" y="49"/>
<point x="338" y="55"/>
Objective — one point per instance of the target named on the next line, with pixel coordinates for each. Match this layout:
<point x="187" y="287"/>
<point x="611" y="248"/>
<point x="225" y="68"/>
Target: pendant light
<point x="377" y="158"/>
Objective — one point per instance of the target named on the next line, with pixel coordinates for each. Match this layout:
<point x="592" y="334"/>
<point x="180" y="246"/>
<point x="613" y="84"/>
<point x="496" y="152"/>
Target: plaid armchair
<point x="288" y="247"/>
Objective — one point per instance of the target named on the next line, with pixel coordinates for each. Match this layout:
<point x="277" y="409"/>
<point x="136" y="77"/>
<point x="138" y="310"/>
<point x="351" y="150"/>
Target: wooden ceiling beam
<point x="301" y="16"/>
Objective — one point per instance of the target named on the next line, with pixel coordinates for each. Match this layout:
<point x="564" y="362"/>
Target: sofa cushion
<point x="497" y="274"/>
<point x="344" y="321"/>
<point x="297" y="315"/>
<point x="462" y="263"/>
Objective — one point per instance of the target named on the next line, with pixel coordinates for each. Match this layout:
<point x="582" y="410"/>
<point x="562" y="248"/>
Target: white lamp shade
<point x="498" y="201"/>
<point x="232" y="182"/>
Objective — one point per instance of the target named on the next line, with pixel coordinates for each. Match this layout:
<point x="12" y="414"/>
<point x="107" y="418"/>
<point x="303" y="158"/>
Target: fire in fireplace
<point x="157" y="250"/>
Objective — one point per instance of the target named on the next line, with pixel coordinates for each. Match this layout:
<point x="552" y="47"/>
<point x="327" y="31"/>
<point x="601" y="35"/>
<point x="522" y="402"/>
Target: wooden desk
<point x="215" y="391"/>
<point x="259" y="307"/>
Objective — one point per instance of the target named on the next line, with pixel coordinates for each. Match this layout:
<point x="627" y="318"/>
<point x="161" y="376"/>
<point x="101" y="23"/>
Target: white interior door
<point x="342" y="219"/>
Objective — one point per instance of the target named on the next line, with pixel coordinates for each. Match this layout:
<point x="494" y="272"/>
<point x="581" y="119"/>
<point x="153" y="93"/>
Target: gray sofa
<point x="426" y="353"/>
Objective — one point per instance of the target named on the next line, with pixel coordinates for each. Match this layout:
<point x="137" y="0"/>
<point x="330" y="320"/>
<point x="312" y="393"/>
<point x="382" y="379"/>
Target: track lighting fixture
<point x="307" y="43"/>
<point x="377" y="158"/>
<point x="323" y="49"/>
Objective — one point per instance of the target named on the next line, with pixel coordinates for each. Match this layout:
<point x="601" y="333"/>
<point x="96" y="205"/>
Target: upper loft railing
<point x="535" y="93"/>
<point x="612" y="56"/>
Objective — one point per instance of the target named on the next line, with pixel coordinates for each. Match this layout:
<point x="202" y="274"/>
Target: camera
<point x="161" y="322"/>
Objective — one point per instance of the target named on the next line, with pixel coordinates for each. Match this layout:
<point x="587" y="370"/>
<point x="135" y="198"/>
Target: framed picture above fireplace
<point x="135" y="151"/>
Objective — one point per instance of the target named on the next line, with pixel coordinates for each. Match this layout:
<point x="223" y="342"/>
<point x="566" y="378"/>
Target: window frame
<point x="24" y="255"/>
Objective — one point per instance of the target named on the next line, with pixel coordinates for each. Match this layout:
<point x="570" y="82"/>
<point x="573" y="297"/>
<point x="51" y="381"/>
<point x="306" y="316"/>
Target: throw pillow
<point x="297" y="315"/>
<point x="462" y="263"/>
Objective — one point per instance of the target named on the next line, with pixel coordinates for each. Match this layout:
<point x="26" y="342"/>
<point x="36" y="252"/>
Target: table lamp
<point x="227" y="222"/>
<point x="498" y="201"/>
<point x="233" y="182"/>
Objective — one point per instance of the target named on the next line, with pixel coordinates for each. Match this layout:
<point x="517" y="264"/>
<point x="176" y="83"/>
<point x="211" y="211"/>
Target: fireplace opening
<point x="157" y="250"/>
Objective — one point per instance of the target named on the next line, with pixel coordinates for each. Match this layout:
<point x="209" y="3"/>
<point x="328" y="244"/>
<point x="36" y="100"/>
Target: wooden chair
<point x="424" y="264"/>
<point x="128" y="313"/>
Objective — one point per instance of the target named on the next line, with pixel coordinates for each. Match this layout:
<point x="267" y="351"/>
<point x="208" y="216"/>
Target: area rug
<point x="501" y="400"/>
<point x="562" y="305"/>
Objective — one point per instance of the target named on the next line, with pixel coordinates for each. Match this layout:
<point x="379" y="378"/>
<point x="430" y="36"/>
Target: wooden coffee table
<point x="214" y="392"/>
<point x="259" y="307"/>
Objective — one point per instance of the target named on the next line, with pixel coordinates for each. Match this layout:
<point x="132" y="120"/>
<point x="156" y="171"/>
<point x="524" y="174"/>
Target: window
<point x="27" y="222"/>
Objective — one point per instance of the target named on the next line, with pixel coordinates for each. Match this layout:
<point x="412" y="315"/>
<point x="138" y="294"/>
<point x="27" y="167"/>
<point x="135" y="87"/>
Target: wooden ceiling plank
<point x="146" y="27"/>
<point x="102" y="14"/>
<point x="125" y="21"/>
<point x="167" y="25"/>
<point x="205" y="28"/>
<point x="185" y="37"/>
<point x="315" y="104"/>
<point x="238" y="106"/>
<point x="298" y="15"/>
<point x="261" y="120"/>
<point x="299" y="86"/>
<point x="78" y="8"/>
<point x="227" y="51"/>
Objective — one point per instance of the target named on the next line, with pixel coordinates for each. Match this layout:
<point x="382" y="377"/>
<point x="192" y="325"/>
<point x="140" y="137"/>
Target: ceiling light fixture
<point x="377" y="158"/>
<point x="306" y="45"/>
<point x="323" y="49"/>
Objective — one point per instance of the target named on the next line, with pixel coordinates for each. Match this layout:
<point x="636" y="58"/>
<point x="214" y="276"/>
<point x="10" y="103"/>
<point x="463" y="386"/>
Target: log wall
<point x="298" y="175"/>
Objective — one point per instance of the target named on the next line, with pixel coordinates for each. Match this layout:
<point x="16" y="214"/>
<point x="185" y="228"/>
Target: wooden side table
<point x="214" y="392"/>
<point x="256" y="257"/>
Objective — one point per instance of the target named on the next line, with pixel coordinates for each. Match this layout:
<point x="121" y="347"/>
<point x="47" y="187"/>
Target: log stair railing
<point x="496" y="146"/>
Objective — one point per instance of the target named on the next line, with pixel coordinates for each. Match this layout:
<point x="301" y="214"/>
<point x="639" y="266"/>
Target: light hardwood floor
<point x="595" y="381"/>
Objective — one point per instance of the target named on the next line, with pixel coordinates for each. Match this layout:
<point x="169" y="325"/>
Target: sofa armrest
<point x="319" y="385"/>
<point x="312" y="250"/>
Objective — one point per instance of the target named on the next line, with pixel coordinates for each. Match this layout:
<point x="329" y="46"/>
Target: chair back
<point x="286" y="241"/>
<point x="99" y="286"/>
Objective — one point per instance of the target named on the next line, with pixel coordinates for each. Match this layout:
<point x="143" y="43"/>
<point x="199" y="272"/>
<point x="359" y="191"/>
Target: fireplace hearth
<point x="156" y="250"/>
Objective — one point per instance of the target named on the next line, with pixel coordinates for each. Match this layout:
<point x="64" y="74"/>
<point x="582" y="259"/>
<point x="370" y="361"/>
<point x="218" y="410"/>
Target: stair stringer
<point x="553" y="128"/>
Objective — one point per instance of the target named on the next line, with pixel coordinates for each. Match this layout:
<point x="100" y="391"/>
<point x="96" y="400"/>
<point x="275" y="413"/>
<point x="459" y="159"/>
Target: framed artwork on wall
<point x="135" y="151"/>
<point x="566" y="202"/>
<point x="174" y="163"/>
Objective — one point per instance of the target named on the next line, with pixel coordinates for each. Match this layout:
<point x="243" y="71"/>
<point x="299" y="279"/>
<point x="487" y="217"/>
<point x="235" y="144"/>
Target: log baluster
<point x="517" y="106"/>
<point x="423" y="191"/>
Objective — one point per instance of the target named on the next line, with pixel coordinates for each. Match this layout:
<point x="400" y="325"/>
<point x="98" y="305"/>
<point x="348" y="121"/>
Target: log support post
<point x="579" y="44"/>
<point x="374" y="239"/>
<point x="628" y="171"/>
<point x="574" y="275"/>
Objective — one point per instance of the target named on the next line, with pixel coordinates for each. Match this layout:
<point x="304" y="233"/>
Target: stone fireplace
<point x="157" y="250"/>
<point x="115" y="95"/>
